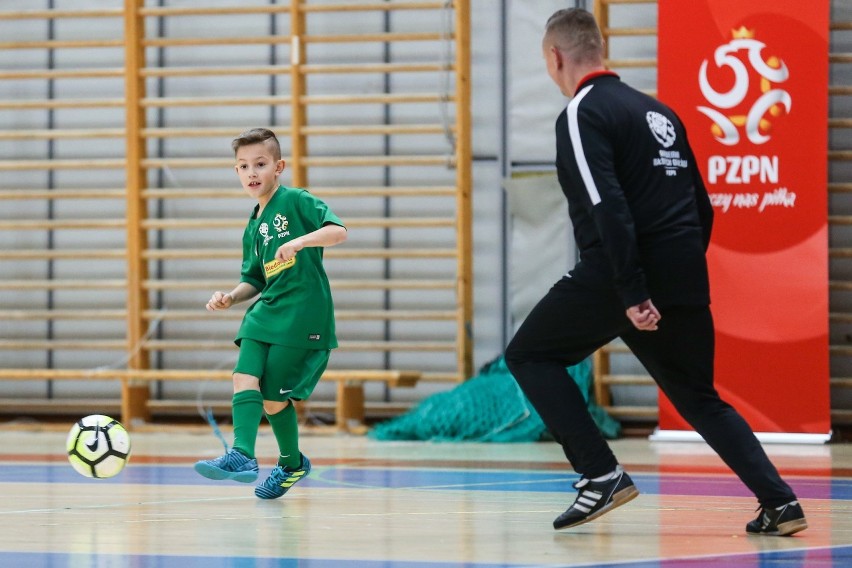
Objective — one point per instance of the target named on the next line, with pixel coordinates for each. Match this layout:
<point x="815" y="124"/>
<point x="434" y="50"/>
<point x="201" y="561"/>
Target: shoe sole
<point x="785" y="529"/>
<point x="792" y="527"/>
<point x="262" y="492"/>
<point x="624" y="496"/>
<point x="211" y="472"/>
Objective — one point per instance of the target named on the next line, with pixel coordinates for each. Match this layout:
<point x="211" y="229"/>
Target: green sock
<point x="247" y="409"/>
<point x="285" y="426"/>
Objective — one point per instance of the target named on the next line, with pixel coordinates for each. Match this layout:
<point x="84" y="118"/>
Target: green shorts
<point x="284" y="372"/>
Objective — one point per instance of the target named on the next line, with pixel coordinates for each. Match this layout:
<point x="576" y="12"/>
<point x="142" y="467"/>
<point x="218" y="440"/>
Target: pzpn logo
<point x="741" y="109"/>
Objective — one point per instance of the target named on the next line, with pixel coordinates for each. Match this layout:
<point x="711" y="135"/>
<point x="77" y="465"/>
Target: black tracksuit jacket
<point x="640" y="210"/>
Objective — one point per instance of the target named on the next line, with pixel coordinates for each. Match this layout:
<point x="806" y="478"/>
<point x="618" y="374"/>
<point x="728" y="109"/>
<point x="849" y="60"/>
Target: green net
<point x="489" y="407"/>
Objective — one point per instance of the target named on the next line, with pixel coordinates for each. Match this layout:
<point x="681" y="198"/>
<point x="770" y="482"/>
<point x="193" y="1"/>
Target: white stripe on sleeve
<point x="577" y="144"/>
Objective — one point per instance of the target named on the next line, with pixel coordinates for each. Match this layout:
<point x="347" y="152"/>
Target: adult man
<point x="642" y="222"/>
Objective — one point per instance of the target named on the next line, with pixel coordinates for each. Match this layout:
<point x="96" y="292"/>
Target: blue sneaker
<point x="233" y="465"/>
<point x="282" y="479"/>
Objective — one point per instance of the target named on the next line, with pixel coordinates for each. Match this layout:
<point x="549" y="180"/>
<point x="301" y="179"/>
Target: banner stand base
<point x="763" y="437"/>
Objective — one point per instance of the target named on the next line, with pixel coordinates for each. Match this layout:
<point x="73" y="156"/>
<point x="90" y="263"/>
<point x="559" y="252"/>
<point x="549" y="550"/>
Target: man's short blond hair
<point x="575" y="32"/>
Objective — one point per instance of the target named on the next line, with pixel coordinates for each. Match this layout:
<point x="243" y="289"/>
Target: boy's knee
<point x="274" y="406"/>
<point x="244" y="382"/>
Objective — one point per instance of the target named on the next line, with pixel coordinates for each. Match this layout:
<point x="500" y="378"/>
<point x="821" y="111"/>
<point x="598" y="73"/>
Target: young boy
<point x="286" y="335"/>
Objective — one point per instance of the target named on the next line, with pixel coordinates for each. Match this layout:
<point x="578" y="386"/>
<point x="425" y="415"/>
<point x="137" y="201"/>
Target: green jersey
<point x="295" y="307"/>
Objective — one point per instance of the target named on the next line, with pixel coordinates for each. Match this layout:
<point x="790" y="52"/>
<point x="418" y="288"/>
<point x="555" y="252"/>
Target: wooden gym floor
<point x="413" y="505"/>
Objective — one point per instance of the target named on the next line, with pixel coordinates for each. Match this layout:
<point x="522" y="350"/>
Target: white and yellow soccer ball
<point x="98" y="446"/>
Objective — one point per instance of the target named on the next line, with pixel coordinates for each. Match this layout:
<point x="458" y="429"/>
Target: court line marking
<point x="746" y="555"/>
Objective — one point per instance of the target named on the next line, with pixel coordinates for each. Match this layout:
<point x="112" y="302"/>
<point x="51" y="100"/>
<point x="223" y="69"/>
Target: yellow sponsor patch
<point x="275" y="266"/>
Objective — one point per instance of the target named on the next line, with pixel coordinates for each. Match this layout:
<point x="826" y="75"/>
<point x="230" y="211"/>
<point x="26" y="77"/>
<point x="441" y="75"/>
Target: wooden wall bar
<point x="175" y="137"/>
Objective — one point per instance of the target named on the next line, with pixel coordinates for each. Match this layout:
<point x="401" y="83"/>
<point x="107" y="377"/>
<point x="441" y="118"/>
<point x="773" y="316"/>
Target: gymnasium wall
<point x="92" y="221"/>
<point x="513" y="108"/>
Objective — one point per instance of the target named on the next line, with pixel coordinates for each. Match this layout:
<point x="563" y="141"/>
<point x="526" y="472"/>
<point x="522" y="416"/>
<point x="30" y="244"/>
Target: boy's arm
<point x="224" y="300"/>
<point x="326" y="236"/>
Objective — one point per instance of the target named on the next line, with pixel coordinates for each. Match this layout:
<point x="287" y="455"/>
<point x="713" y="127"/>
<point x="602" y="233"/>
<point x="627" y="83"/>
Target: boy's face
<point x="258" y="170"/>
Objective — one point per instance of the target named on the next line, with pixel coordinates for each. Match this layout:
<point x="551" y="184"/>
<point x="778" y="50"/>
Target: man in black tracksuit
<point x="642" y="221"/>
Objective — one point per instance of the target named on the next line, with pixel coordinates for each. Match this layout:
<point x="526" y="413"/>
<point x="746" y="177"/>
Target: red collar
<point x="593" y="75"/>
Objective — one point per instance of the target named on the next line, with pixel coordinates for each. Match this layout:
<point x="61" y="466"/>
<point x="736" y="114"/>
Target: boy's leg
<point x="239" y="463"/>
<point x="247" y="403"/>
<point x="293" y="375"/>
<point x="247" y="412"/>
<point x="285" y="426"/>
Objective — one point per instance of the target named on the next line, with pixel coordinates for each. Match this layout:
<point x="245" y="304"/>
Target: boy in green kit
<point x="288" y="333"/>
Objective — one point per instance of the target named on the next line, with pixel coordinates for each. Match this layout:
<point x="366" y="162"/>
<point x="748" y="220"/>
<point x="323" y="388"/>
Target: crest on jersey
<point x="264" y="232"/>
<point x="661" y="127"/>
<point x="280" y="222"/>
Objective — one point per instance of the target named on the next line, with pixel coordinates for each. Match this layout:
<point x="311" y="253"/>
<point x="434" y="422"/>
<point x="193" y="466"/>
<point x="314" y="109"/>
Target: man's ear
<point x="558" y="57"/>
<point x="279" y="167"/>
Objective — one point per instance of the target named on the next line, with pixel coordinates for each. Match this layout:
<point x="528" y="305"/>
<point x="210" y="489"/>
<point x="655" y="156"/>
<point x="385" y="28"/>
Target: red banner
<point x="749" y="79"/>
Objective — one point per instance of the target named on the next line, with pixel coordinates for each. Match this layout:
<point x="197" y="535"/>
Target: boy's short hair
<point x="575" y="31"/>
<point x="258" y="136"/>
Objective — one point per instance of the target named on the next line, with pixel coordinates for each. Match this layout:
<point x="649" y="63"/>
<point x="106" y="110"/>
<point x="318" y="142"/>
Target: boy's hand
<point x="288" y="250"/>
<point x="220" y="301"/>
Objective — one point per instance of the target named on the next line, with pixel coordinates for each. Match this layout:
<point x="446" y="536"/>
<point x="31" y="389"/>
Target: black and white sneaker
<point x="783" y="521"/>
<point x="596" y="498"/>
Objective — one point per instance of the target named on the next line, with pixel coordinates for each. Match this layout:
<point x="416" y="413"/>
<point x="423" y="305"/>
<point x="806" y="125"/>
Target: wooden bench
<point x="349" y="405"/>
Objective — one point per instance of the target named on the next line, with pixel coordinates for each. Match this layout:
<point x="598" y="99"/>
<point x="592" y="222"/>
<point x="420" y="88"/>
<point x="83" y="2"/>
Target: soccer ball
<point x="98" y="446"/>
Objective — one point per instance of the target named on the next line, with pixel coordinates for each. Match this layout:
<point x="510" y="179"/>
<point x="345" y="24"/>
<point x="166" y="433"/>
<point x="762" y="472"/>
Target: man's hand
<point x="644" y="316"/>
<point x="220" y="301"/>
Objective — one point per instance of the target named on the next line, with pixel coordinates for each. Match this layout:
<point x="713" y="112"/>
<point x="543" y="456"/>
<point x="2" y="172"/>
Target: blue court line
<point x="829" y="557"/>
<point x="810" y="558"/>
<point x="428" y="478"/>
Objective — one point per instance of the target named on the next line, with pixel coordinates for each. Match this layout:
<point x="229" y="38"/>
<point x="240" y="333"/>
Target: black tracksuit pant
<point x="573" y="320"/>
